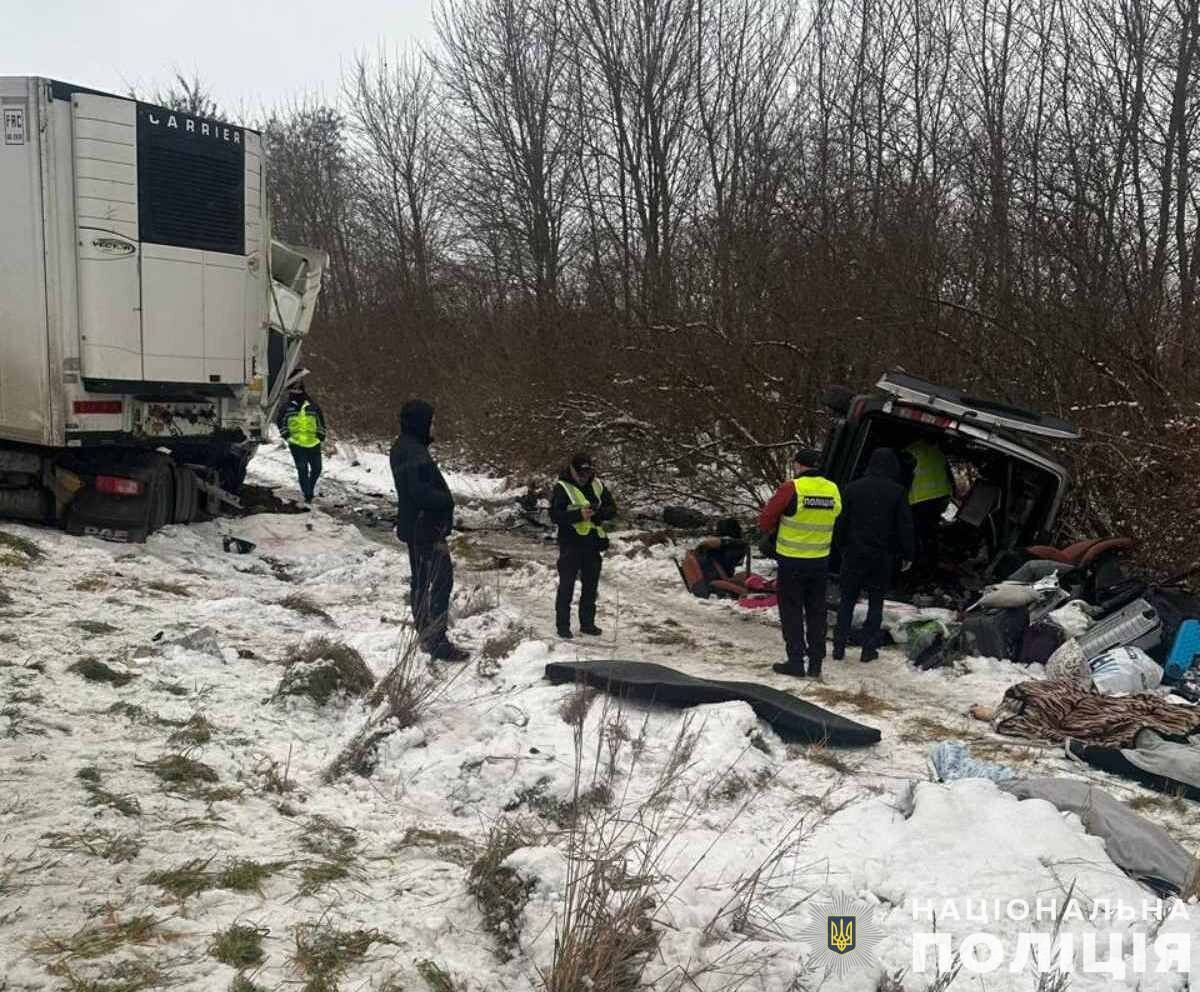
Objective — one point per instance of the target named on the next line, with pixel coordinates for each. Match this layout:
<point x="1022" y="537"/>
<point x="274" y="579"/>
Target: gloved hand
<point x="905" y="565"/>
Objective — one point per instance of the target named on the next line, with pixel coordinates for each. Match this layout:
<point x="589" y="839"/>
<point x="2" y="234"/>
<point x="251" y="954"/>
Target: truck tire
<point x="161" y="483"/>
<point x="187" y="493"/>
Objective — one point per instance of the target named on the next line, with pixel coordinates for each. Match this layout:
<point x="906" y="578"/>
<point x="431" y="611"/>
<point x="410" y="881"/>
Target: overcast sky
<point x="250" y="52"/>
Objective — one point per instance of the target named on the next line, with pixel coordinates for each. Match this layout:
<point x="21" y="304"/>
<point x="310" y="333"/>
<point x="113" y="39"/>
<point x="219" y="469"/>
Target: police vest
<point x="931" y="477"/>
<point x="302" y="428"/>
<point x="579" y="501"/>
<point x="808" y="533"/>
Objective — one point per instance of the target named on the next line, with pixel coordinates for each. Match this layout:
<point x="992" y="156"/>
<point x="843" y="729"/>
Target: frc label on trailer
<point x="14" y="125"/>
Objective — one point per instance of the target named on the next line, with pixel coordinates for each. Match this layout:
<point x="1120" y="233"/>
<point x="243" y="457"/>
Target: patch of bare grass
<point x="18" y="552"/>
<point x="196" y="731"/>
<point x="862" y="699"/>
<point x="498" y="891"/>
<point x="334" y="848"/>
<point x="238" y="945"/>
<point x="447" y="844"/>
<point x="322" y="953"/>
<point x="181" y="773"/>
<point x="94" y="670"/>
<point x="103" y="936"/>
<point x="925" y="730"/>
<point x="302" y="605"/>
<point x="96" y="627"/>
<point x="196" y="876"/>
<point x="397" y="702"/>
<point x="168" y="588"/>
<point x="126" y="804"/>
<point x="502" y="645"/>
<point x="99" y="843"/>
<point x="436" y="977"/>
<point x="321" y="668"/>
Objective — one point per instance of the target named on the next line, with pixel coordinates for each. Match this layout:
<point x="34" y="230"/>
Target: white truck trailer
<point x="148" y="322"/>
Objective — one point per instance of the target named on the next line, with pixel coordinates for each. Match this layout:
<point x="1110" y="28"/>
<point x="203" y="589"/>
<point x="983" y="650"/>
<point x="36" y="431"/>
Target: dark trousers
<point x="802" y="611"/>
<point x="583" y="564"/>
<point x="432" y="582"/>
<point x="308" y="468"/>
<point x="927" y="519"/>
<point x="871" y="576"/>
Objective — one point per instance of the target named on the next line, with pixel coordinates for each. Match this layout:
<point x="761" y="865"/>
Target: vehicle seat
<point x="1081" y="552"/>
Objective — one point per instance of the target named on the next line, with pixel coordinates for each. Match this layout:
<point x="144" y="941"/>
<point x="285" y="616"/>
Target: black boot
<point x="814" y="669"/>
<point x="590" y="629"/>
<point x="447" y="651"/>
<point x="839" y="651"/>
<point x="565" y="633"/>
<point x="787" y="668"/>
<point x="868" y="655"/>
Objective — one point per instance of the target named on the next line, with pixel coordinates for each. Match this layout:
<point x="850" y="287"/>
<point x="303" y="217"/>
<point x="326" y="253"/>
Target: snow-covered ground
<point x="726" y="832"/>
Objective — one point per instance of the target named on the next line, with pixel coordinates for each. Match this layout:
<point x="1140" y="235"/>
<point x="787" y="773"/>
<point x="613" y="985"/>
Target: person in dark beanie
<point x="424" y="517"/>
<point x="801" y="515"/>
<point x="580" y="505"/>
<point x="302" y="425"/>
<point x="874" y="530"/>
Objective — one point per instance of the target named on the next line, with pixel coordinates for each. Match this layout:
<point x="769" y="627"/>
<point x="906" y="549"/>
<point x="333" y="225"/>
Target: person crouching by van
<point x="580" y="505"/>
<point x="802" y="514"/>
<point x="302" y="425"/>
<point x="874" y="529"/>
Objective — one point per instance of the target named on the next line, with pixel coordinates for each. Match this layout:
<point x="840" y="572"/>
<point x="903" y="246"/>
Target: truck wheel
<point x="162" y="494"/>
<point x="186" y="495"/>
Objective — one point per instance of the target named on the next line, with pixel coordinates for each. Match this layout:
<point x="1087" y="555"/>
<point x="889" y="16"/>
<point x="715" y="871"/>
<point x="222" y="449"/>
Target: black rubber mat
<point x="792" y="717"/>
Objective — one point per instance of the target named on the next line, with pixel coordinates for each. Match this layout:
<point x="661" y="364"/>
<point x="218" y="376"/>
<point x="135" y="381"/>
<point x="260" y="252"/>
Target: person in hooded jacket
<point x="875" y="528"/>
<point x="424" y="518"/>
<point x="302" y="425"/>
<point x="579" y="504"/>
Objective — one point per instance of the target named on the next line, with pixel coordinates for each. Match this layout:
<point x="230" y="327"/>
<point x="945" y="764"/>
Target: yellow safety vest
<point x="579" y="501"/>
<point x="808" y="533"/>
<point x="302" y="428"/>
<point x="931" y="479"/>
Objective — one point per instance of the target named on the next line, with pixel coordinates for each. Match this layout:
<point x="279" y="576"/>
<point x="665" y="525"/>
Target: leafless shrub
<point x="398" y="701"/>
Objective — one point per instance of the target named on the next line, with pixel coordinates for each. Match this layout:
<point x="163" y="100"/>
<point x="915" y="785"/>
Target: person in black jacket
<point x="424" y="517"/>
<point x="875" y="528"/>
<point x="579" y="504"/>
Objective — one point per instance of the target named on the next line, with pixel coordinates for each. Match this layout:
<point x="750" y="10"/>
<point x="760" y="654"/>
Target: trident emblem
<point x="841" y="934"/>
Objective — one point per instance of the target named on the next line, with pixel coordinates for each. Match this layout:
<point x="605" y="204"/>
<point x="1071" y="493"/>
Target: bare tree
<point x="403" y="161"/>
<point x="505" y="65"/>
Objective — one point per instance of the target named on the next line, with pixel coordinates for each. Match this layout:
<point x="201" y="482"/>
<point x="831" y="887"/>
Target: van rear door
<point x="972" y="410"/>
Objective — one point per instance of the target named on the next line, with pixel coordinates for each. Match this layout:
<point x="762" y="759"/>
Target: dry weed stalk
<point x="398" y="701"/>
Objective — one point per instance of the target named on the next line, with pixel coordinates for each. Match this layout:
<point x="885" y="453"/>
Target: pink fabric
<point x="759" y="602"/>
<point x="756" y="583"/>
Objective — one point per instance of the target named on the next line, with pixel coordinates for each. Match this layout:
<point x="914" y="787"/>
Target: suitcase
<point x="1137" y="625"/>
<point x="1184" y="652"/>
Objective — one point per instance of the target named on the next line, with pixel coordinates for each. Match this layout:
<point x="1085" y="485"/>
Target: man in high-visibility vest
<point x="303" y="427"/>
<point x="928" y="495"/>
<point x="802" y="514"/>
<point x="580" y="504"/>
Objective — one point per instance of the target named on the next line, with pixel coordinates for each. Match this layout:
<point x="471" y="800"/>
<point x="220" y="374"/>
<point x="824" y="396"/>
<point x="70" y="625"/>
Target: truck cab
<point x="1007" y="491"/>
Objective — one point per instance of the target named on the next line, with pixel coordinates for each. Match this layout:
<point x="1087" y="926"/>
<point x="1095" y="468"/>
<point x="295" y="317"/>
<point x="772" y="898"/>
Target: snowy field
<point x="166" y="821"/>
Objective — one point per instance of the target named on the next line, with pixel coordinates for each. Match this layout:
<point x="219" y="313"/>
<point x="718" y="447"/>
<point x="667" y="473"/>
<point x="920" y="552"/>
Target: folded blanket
<point x="1055" y="710"/>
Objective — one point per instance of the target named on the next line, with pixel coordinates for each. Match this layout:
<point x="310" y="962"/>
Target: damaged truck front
<point x="1008" y="491"/>
<point x="148" y="321"/>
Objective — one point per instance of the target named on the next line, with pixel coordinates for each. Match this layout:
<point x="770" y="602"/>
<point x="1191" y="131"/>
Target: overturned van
<point x="1008" y="492"/>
